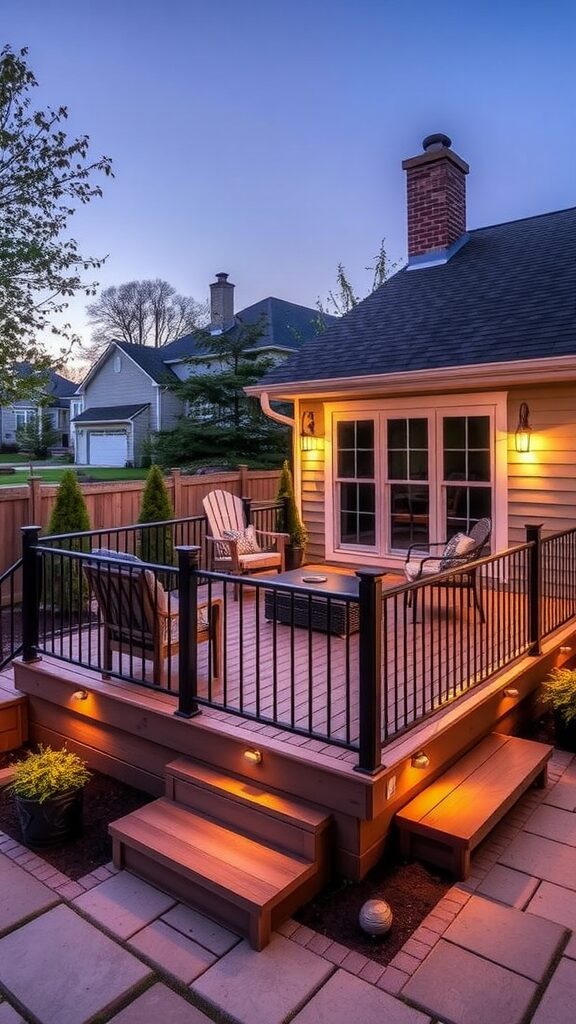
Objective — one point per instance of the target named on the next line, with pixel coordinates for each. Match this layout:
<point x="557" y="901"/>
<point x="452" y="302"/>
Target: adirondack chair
<point x="141" y="621"/>
<point x="234" y="547"/>
<point x="458" y="552"/>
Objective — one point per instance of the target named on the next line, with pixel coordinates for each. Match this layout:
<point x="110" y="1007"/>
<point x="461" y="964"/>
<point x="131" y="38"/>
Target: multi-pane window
<point x="467" y="460"/>
<point x="407" y="442"/>
<point x="355" y="482"/>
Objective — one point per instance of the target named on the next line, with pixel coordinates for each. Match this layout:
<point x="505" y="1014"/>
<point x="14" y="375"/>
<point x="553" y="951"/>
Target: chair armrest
<point x="425" y="547"/>
<point x="232" y="546"/>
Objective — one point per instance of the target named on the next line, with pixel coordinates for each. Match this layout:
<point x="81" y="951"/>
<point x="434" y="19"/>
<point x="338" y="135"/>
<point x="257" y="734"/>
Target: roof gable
<point x="508" y="293"/>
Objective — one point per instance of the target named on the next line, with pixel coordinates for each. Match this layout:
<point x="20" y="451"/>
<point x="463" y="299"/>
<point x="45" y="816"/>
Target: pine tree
<point x="156" y="542"/>
<point x="294" y="526"/>
<point x="63" y="584"/>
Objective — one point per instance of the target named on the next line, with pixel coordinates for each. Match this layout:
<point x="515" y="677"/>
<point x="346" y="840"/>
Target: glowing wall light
<point x="523" y="430"/>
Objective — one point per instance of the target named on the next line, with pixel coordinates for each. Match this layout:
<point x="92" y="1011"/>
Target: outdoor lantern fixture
<point x="511" y="691"/>
<point x="420" y="760"/>
<point x="310" y="441"/>
<point x="253" y="756"/>
<point x="80" y="695"/>
<point x="523" y="430"/>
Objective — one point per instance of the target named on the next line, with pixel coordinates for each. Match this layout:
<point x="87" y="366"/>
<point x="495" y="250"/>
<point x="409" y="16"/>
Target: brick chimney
<point x="436" y="190"/>
<point x="221" y="304"/>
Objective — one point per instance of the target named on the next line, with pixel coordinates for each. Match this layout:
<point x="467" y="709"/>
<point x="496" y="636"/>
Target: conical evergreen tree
<point x="156" y="542"/>
<point x="63" y="586"/>
<point x="294" y="525"/>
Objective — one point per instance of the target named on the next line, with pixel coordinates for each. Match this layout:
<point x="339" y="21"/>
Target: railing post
<point x="534" y="537"/>
<point x="30" y="593"/>
<point x="370" y="681"/>
<point x="247" y="507"/>
<point x="188" y="565"/>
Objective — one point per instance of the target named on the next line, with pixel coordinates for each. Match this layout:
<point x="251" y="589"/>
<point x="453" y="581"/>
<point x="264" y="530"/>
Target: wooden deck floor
<point x="289" y="677"/>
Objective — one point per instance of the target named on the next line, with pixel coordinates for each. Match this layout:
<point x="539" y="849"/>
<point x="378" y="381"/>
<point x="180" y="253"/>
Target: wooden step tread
<point x="208" y="853"/>
<point x="473" y="791"/>
<point x="249" y="793"/>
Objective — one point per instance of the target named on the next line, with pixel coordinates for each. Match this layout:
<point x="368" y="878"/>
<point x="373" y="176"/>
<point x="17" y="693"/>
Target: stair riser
<point x="251" y="821"/>
<point x="228" y="914"/>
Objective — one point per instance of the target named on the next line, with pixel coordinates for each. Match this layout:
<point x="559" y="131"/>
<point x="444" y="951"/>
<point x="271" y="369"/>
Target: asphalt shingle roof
<point x="508" y="293"/>
<point x="110" y="413"/>
<point x="150" y="359"/>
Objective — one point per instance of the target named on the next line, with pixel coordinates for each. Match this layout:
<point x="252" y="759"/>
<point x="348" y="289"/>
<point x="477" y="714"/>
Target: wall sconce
<point x="523" y="430"/>
<point x="252" y="755"/>
<point x="80" y="695"/>
<point x="565" y="649"/>
<point x="420" y="760"/>
<point x="310" y="441"/>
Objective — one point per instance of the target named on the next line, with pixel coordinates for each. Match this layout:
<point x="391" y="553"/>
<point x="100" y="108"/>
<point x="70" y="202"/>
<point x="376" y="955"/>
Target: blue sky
<point x="266" y="138"/>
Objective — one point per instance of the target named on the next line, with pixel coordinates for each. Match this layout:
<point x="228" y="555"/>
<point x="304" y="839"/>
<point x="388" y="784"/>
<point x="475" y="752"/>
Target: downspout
<point x="272" y="414"/>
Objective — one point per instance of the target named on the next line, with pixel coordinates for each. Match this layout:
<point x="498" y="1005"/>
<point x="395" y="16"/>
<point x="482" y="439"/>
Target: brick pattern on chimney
<point x="436" y="206"/>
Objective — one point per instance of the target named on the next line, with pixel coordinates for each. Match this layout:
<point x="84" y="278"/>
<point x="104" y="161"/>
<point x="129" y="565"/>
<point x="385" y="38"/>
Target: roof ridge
<point x="518" y="220"/>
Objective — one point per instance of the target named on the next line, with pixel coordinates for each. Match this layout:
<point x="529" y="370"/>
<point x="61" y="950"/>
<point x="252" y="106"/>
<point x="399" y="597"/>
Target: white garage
<point x="111" y="435"/>
<point x="107" y="448"/>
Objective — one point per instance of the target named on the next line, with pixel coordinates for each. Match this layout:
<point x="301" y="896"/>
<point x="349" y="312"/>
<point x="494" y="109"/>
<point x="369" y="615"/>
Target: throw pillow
<point x="459" y="546"/>
<point x="246" y="539"/>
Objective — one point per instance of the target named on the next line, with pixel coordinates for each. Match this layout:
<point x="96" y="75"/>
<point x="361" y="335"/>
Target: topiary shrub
<point x="156" y="542"/>
<point x="294" y="526"/>
<point x="64" y="584"/>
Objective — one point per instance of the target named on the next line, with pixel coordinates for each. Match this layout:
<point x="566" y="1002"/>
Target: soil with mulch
<point x="105" y="800"/>
<point x="411" y="890"/>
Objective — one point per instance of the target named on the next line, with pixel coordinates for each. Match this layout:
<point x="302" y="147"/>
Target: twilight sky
<point x="265" y="137"/>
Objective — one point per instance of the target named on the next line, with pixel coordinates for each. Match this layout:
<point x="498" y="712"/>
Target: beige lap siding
<point x="542" y="483"/>
<point x="312" y="469"/>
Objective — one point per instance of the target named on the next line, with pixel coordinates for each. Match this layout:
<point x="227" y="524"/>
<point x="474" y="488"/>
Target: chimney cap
<point x="437" y="141"/>
<point x="221" y="277"/>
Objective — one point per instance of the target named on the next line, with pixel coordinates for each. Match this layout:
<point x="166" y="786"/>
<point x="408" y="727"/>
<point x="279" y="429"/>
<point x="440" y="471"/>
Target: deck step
<point x="235" y="879"/>
<point x="448" y="819"/>
<point x="248" y="807"/>
<point x="13" y="720"/>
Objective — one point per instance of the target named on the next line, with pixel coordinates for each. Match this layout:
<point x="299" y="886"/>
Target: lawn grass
<point x="50" y="476"/>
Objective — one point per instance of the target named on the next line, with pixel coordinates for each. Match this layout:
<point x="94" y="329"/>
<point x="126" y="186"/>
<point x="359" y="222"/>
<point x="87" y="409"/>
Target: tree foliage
<point x="44" y="177"/>
<point x="222" y="420"/>
<point x="156" y="542"/>
<point x="64" y="584"/>
<point x="37" y="435"/>
<point x="294" y="526"/>
<point x="344" y="296"/>
<point x="70" y="514"/>
<point x="143" y="313"/>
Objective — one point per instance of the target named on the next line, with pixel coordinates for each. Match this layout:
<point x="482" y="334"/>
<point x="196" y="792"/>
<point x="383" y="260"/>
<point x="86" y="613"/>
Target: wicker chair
<point x="458" y="552"/>
<point x="229" y="537"/>
<point x="140" y="619"/>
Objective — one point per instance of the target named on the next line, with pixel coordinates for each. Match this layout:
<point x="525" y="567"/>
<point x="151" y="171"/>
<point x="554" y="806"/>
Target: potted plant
<point x="290" y="521"/>
<point x="559" y="692"/>
<point x="48" y="788"/>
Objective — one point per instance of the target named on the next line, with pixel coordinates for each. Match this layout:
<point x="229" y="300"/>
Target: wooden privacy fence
<point x="117" y="502"/>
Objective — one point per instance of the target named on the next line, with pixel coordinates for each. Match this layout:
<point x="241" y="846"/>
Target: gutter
<point x="267" y="409"/>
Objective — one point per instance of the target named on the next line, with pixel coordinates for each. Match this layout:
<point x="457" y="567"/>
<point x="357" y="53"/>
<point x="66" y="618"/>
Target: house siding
<point x="140" y="433"/>
<point x="172" y="410"/>
<point x="542" y="482"/>
<point x="131" y="386"/>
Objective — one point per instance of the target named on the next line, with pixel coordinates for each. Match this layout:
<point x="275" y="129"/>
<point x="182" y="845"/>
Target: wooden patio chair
<point x="458" y="552"/>
<point x="235" y="547"/>
<point x="140" y="619"/>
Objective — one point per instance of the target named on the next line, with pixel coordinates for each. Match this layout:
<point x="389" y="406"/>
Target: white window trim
<point x="480" y="403"/>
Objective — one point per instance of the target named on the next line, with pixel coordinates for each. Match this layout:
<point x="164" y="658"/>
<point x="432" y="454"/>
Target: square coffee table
<point x="310" y="608"/>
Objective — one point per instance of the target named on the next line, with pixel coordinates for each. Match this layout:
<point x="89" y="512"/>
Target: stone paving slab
<point x="63" y="969"/>
<point x="160" y="1004"/>
<point x="345" y="998"/>
<point x="563" y="794"/>
<point x="124" y="904"/>
<point x="201" y="929"/>
<point x="463" y="988"/>
<point x="554" y="823"/>
<point x="555" y="903"/>
<point x="507" y="936"/>
<point x="172" y="951"/>
<point x="264" y="987"/>
<point x="535" y="855"/>
<point x="8" y="1015"/>
<point x="21" y="895"/>
<point x="558" y="1002"/>
<point x="505" y="885"/>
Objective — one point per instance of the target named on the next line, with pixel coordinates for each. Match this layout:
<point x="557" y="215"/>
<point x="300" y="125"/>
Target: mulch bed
<point x="105" y="800"/>
<point x="412" y="891"/>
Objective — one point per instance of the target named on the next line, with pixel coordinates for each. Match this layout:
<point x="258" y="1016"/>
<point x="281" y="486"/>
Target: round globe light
<point x="375" y="918"/>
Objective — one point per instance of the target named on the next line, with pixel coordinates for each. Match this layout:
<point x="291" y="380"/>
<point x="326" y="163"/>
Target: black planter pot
<point x="565" y="733"/>
<point x="54" y="821"/>
<point x="293" y="556"/>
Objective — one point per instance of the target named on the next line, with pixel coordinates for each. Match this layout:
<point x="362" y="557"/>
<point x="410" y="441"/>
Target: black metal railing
<point x="352" y="666"/>
<point x="10" y="613"/>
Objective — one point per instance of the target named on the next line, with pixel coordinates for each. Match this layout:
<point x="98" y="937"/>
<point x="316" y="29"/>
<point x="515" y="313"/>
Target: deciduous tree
<point x="143" y="313"/>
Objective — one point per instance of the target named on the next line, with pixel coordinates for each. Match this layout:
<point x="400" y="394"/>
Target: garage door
<point x="107" y="448"/>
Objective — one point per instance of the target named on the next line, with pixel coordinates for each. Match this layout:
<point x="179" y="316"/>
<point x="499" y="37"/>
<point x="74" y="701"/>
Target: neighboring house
<point x="417" y="397"/>
<point x="126" y="396"/>
<point x="54" y="401"/>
